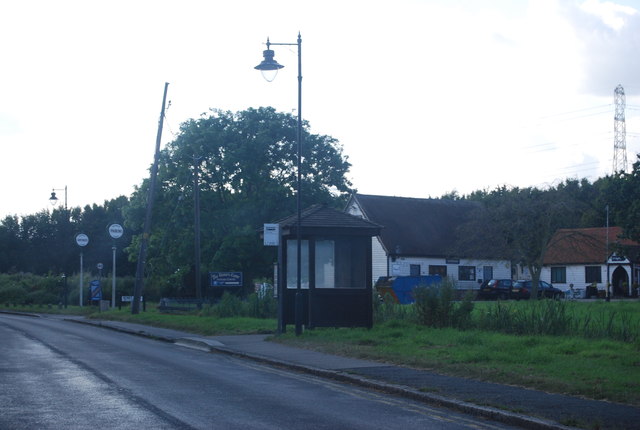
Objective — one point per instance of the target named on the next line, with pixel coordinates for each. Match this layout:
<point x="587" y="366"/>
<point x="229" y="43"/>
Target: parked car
<point x="545" y="289"/>
<point x="496" y="289"/>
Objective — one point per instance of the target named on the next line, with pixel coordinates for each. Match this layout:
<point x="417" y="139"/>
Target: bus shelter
<point x="335" y="285"/>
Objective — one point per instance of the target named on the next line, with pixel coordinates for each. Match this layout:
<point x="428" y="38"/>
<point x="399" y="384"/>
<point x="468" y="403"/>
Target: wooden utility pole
<point x="196" y="226"/>
<point x="142" y="256"/>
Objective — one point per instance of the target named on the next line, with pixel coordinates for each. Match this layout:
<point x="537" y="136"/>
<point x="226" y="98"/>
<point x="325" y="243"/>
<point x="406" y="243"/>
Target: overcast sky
<point x="425" y="96"/>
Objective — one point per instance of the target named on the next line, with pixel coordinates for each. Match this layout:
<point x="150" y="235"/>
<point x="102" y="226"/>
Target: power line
<point x="574" y="111"/>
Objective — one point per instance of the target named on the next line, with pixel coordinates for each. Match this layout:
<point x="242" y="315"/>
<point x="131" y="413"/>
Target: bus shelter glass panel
<point x="292" y="264"/>
<point x="325" y="264"/>
<point x="339" y="263"/>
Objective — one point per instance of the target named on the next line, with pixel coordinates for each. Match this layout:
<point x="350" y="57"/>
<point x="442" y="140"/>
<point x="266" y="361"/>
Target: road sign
<point x="116" y="231"/>
<point x="225" y="279"/>
<point x="129" y="299"/>
<point x="271" y="234"/>
<point x="96" y="290"/>
<point x="82" y="239"/>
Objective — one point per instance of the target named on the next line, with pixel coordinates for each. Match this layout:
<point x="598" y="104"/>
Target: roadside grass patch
<point x="574" y="364"/>
<point x="193" y="322"/>
<point x="597" y="357"/>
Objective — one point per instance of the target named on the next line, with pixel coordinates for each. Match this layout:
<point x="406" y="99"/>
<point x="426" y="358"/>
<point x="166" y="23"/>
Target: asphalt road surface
<point x="58" y="375"/>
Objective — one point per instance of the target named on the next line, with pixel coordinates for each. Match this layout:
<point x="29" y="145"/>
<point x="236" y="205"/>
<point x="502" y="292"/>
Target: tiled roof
<point x="585" y="245"/>
<point x="417" y="227"/>
<point x="323" y="217"/>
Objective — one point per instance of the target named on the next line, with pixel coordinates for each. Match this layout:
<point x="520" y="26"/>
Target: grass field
<point x="594" y="351"/>
<point x="594" y="368"/>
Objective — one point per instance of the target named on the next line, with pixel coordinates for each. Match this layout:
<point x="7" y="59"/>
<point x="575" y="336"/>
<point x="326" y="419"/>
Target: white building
<point x="591" y="256"/>
<point x="418" y="238"/>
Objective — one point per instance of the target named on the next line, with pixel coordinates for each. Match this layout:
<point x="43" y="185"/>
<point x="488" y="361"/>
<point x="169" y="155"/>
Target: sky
<point x="426" y="97"/>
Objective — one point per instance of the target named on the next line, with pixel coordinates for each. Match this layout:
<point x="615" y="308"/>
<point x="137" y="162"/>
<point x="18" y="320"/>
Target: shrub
<point x="12" y="294"/>
<point x="262" y="305"/>
<point x="387" y="309"/>
<point x="41" y="297"/>
<point x="435" y="306"/>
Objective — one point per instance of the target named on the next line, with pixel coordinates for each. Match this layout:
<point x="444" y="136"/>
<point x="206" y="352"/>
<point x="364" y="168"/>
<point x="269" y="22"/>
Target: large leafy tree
<point x="518" y="223"/>
<point x="12" y="247"/>
<point x="622" y="192"/>
<point x="246" y="165"/>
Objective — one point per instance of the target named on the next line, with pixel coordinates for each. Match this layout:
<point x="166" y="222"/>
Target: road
<point x="58" y="375"/>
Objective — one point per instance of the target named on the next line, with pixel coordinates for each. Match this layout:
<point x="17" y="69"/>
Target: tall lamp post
<point x="54" y="199"/>
<point x="269" y="68"/>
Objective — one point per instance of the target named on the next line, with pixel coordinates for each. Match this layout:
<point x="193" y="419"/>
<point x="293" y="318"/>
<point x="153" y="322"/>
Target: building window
<point x="414" y="270"/>
<point x="466" y="273"/>
<point x="438" y="270"/>
<point x="592" y="274"/>
<point x="558" y="275"/>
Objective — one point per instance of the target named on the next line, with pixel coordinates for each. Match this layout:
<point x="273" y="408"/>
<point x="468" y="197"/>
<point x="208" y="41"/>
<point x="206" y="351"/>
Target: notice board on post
<point x="225" y="279"/>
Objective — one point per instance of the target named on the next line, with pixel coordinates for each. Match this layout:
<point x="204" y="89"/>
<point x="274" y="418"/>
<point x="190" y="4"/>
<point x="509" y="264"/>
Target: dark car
<point x="497" y="289"/>
<point x="545" y="289"/>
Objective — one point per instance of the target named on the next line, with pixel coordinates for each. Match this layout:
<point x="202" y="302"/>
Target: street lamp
<point x="269" y="68"/>
<point x="54" y="199"/>
<point x="64" y="290"/>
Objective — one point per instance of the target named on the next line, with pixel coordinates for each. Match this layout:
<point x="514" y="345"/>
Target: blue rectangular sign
<point x="225" y="279"/>
<point x="96" y="290"/>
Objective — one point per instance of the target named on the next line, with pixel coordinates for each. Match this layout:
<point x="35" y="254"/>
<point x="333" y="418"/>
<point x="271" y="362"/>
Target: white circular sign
<point x="116" y="231"/>
<point x="100" y="266"/>
<point x="82" y="239"/>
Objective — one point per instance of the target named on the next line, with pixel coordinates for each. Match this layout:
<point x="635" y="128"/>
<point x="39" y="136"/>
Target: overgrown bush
<point x="255" y="306"/>
<point x="25" y="288"/>
<point x="385" y="308"/>
<point x="12" y="294"/>
<point x="557" y="317"/>
<point x="435" y="306"/>
<point x="532" y="317"/>
<point x="263" y="304"/>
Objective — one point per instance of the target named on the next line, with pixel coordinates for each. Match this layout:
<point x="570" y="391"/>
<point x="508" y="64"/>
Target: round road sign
<point x="116" y="231"/>
<point x="82" y="239"/>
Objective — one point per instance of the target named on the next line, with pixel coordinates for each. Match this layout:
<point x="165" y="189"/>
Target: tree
<point x="44" y="242"/>
<point x="247" y="176"/>
<point x="518" y="223"/>
<point x="626" y="197"/>
<point x="12" y="248"/>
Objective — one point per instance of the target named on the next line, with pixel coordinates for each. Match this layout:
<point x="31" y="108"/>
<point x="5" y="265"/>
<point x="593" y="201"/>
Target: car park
<point x="545" y="290"/>
<point x="497" y="289"/>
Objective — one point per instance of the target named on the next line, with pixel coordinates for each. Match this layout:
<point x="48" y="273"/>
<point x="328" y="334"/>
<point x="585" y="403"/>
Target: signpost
<point x="115" y="231"/>
<point x="96" y="290"/>
<point x="271" y="234"/>
<point x="82" y="240"/>
<point x="225" y="279"/>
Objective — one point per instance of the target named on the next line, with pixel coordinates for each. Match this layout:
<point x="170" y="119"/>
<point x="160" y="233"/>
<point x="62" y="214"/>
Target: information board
<point x="225" y="279"/>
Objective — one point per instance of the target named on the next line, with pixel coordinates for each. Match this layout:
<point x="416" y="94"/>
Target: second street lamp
<point x="269" y="68"/>
<point x="54" y="199"/>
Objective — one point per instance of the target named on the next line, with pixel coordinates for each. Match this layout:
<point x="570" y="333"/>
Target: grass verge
<point x="593" y="368"/>
<point x="588" y="364"/>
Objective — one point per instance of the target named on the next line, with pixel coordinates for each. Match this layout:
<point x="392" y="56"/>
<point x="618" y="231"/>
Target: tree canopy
<point x="246" y="164"/>
<point x="517" y="223"/>
<point x="44" y="242"/>
<point x="246" y="175"/>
